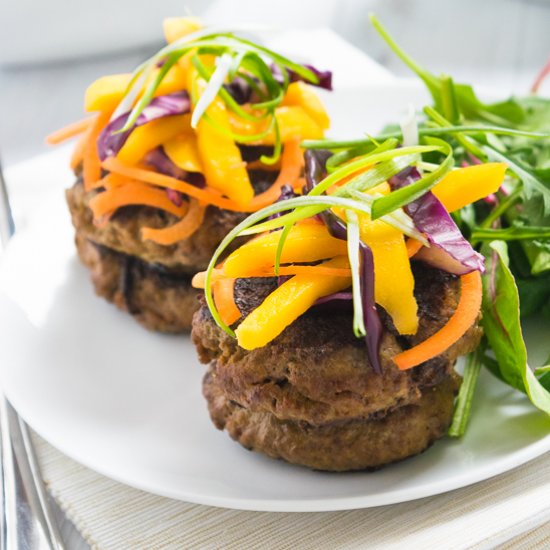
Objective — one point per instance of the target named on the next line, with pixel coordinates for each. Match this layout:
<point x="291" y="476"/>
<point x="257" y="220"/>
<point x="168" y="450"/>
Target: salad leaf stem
<point x="514" y="233"/>
<point x="502" y="207"/>
<point x="447" y="129"/>
<point x="432" y="83"/>
<point x="466" y="393"/>
<point x="449" y="104"/>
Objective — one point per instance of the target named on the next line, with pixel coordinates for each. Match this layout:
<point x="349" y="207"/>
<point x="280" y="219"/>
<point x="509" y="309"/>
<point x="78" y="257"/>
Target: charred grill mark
<point x="133" y="269"/>
<point x="127" y="267"/>
<point x="250" y="153"/>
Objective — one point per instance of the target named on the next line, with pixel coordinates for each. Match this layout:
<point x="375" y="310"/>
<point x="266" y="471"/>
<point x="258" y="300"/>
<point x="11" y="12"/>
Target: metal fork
<point x="29" y="517"/>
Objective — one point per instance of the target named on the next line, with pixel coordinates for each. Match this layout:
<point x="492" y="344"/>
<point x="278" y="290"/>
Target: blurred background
<point x="50" y="51"/>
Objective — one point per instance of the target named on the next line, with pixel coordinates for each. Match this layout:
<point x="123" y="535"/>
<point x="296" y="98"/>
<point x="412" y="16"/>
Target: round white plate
<point x="128" y="403"/>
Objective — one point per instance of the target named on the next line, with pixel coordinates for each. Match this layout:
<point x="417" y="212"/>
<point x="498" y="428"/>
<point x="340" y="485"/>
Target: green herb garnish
<point x="236" y="58"/>
<point x="515" y="222"/>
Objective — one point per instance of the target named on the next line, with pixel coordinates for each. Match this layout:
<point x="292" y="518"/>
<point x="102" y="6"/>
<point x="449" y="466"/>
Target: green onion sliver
<point x="354" y="243"/>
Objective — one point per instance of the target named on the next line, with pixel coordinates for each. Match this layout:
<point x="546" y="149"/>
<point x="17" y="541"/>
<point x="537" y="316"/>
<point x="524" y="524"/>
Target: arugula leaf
<point x="507" y="113"/>
<point x="534" y="293"/>
<point x="502" y="327"/>
<point x="537" y="252"/>
<point x="503" y="112"/>
<point x="458" y="102"/>
<point x="544" y="381"/>
<point x="532" y="185"/>
<point x="540" y="262"/>
<point x="537" y="112"/>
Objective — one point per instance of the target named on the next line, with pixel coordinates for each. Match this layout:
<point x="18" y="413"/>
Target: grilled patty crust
<point x="356" y="444"/>
<point x="317" y="374"/>
<point x="158" y="299"/>
<point x="150" y="281"/>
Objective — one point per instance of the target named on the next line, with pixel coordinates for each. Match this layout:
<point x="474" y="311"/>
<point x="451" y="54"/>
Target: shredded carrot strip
<point x="69" y="131"/>
<point x="91" y="169"/>
<point x="209" y="196"/>
<point x="112" y="180"/>
<point x="218" y="274"/>
<point x="199" y="278"/>
<point x="78" y="152"/>
<point x="224" y="298"/>
<point x="300" y="182"/>
<point x="180" y="230"/>
<point x="134" y="193"/>
<point x="291" y="165"/>
<point x="462" y="319"/>
<point x="413" y="246"/>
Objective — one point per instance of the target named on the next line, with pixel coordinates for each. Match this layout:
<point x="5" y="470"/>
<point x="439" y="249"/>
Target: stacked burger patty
<point x="150" y="281"/>
<point x="311" y="397"/>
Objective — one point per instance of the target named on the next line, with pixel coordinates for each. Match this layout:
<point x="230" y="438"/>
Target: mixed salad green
<point x="511" y="229"/>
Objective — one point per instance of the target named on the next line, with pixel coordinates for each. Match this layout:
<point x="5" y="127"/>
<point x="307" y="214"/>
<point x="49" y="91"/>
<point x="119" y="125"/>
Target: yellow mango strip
<point x="199" y="279"/>
<point x="466" y="185"/>
<point x="150" y="135"/>
<point x="302" y="95"/>
<point x="184" y="152"/>
<point x="393" y="278"/>
<point x="105" y="93"/>
<point x="294" y="122"/>
<point x="178" y="27"/>
<point x="305" y="243"/>
<point x="174" y="81"/>
<point x="285" y="304"/>
<point x="223" y="166"/>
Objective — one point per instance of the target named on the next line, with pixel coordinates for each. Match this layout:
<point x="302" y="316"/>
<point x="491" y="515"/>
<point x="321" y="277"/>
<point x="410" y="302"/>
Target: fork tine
<point x="7" y="227"/>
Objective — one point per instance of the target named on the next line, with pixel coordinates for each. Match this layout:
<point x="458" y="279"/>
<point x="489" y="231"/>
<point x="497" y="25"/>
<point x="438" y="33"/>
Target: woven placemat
<point x="113" y="516"/>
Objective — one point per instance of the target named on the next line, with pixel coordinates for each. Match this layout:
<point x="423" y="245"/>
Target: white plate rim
<point x="511" y="461"/>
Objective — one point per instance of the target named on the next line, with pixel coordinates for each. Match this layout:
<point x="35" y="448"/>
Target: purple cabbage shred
<point x="324" y="77"/>
<point x="315" y="171"/>
<point x="449" y="249"/>
<point x="110" y="140"/>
